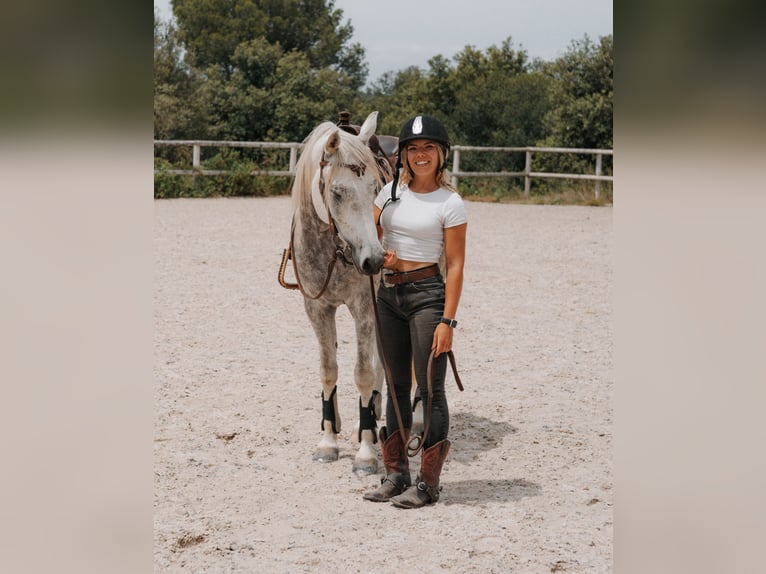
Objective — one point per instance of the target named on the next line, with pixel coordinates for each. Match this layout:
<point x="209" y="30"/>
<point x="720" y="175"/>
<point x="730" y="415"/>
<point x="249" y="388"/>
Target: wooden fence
<point x="528" y="174"/>
<point x="294" y="148"/>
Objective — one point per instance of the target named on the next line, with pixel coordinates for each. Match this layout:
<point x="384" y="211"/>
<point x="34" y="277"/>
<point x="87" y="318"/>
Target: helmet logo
<point x="417" y="125"/>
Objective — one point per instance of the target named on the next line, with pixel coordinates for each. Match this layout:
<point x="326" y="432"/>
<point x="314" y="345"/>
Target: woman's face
<point x="423" y="157"/>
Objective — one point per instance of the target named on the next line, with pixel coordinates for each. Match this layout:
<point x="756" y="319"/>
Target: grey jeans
<point x="409" y="314"/>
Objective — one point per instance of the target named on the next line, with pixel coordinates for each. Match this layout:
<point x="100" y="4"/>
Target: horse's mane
<point x="352" y="151"/>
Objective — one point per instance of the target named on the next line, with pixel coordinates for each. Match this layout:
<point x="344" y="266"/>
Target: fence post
<point x="527" y="171"/>
<point x="455" y="165"/>
<point x="598" y="172"/>
<point x="293" y="157"/>
<point x="195" y="156"/>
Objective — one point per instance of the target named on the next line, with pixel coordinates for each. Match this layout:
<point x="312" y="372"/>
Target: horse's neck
<point x="306" y="222"/>
<point x="310" y="233"/>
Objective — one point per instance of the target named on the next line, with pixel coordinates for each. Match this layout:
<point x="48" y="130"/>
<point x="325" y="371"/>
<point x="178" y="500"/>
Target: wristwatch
<point x="451" y="322"/>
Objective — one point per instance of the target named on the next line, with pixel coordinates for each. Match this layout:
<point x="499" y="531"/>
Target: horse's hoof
<point x="365" y="468"/>
<point x="326" y="455"/>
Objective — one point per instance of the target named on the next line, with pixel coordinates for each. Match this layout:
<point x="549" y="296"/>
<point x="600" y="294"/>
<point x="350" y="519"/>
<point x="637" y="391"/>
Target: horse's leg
<point x="322" y="319"/>
<point x="369" y="380"/>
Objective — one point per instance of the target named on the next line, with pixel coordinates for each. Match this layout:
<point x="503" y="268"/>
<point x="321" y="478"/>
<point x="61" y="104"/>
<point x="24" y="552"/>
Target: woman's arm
<point x="454" y="252"/>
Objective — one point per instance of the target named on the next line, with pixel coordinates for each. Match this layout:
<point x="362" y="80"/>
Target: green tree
<point x="272" y="95"/>
<point x="303" y="96"/>
<point x="441" y="88"/>
<point x="240" y="107"/>
<point x="178" y="108"/>
<point x="211" y="31"/>
<point x="486" y="98"/>
<point x="583" y="100"/>
<point x="270" y="69"/>
<point x="397" y="96"/>
<point x="499" y="102"/>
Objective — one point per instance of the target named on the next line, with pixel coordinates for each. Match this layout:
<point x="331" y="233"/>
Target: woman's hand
<point x="442" y="339"/>
<point x="390" y="259"/>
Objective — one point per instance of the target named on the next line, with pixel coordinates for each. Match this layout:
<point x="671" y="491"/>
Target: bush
<point x="541" y="191"/>
<point x="240" y="182"/>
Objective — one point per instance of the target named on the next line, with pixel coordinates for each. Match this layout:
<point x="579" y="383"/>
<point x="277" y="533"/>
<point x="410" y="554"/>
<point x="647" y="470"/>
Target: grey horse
<point x="335" y="250"/>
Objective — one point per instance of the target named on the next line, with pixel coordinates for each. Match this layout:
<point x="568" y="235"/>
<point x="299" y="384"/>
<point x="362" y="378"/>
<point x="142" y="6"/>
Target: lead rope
<point x="419" y="440"/>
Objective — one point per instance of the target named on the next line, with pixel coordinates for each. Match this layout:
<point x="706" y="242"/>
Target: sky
<point x="401" y="33"/>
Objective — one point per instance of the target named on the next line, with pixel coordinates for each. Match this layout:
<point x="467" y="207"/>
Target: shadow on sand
<point x="483" y="491"/>
<point x="472" y="435"/>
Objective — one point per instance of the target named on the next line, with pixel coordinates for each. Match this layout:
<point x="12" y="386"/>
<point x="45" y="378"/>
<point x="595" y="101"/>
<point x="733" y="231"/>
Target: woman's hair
<point x="443" y="177"/>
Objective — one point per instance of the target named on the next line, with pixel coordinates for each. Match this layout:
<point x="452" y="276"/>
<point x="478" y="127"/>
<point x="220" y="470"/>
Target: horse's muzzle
<point x="370" y="264"/>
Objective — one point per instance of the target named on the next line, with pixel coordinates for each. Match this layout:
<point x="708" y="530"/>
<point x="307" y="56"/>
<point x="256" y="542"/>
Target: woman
<point x="420" y="217"/>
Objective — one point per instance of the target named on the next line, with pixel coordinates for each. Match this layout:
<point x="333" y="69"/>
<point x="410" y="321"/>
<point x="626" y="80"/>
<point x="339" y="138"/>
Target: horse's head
<point x="384" y="148"/>
<point x="344" y="187"/>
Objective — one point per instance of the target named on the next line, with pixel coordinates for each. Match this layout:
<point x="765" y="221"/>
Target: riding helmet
<point x="424" y="127"/>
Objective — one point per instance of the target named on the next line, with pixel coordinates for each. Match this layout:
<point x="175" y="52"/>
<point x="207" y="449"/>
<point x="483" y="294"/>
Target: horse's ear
<point x="368" y="127"/>
<point x="333" y="143"/>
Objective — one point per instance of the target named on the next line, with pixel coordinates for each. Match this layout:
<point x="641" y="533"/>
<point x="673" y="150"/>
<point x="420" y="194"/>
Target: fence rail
<point x="197" y="145"/>
<point x="528" y="174"/>
<point x="295" y="147"/>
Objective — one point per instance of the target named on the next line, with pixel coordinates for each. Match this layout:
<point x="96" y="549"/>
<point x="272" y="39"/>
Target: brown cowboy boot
<point x="427" y="489"/>
<point x="397" y="465"/>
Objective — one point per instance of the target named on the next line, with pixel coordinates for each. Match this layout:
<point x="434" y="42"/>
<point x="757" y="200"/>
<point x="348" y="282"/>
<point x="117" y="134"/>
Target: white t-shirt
<point x="414" y="224"/>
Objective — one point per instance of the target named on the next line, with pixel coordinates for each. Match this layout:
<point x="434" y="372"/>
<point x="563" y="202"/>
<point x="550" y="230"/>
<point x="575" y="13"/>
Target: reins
<point x="288" y="254"/>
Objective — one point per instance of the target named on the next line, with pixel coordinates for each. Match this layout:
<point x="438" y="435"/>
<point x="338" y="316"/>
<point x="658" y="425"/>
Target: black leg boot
<point x="397" y="465"/>
<point x="427" y="489"/>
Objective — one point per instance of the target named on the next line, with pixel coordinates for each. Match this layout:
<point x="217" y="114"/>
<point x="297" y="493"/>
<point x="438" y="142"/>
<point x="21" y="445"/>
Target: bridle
<point x="342" y="248"/>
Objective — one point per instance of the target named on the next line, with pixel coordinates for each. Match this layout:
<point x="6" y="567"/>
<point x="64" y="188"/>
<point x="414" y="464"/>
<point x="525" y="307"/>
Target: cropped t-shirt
<point x="414" y="224"/>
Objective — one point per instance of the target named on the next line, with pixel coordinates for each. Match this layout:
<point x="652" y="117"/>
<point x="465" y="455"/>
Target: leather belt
<point x="399" y="277"/>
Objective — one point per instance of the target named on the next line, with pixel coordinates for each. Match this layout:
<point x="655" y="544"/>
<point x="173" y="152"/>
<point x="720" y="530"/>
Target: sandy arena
<point x="527" y="486"/>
